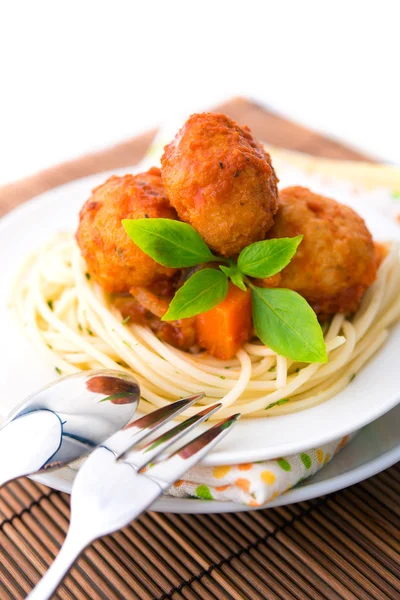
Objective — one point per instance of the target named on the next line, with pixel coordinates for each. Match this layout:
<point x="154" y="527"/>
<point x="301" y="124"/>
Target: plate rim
<point x="217" y="457"/>
<point x="333" y="484"/>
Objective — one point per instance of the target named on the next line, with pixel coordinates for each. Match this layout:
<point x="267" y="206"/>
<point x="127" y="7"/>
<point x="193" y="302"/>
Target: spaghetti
<point x="73" y="321"/>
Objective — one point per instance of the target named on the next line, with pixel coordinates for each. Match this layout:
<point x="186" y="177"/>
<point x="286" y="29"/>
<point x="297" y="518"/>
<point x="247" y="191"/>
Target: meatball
<point x="114" y="261"/>
<point x="336" y="260"/>
<point x="221" y="181"/>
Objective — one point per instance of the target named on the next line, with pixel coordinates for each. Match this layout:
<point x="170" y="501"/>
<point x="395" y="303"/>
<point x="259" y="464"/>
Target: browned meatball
<point x="221" y="181"/>
<point x="113" y="260"/>
<point x="336" y="261"/>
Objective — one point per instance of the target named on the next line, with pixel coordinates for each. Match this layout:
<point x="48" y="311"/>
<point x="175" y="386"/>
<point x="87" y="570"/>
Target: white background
<point x="79" y="75"/>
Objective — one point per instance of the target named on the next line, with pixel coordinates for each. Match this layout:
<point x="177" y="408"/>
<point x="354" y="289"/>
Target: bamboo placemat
<point x="345" y="545"/>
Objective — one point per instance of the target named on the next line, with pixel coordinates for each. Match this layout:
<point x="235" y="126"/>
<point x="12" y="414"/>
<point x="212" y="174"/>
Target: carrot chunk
<point x="224" y="329"/>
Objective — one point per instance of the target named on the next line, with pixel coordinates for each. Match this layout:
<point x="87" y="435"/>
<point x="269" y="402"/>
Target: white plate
<point x="371" y="394"/>
<point x="375" y="448"/>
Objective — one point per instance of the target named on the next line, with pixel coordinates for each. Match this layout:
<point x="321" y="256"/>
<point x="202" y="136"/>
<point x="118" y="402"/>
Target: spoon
<point x="65" y="421"/>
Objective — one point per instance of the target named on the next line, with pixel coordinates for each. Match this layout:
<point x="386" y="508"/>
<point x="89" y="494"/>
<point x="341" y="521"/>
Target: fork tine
<point x="172" y="468"/>
<point x="164" y="414"/>
<point x="133" y="433"/>
<point x="142" y="457"/>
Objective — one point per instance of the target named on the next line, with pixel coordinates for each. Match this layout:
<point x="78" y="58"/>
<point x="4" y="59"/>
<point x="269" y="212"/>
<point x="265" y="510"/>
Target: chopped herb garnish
<point x="87" y="275"/>
<point x="282" y="319"/>
<point x="126" y="320"/>
<point x="90" y="332"/>
<point x="58" y="370"/>
<point x="297" y="369"/>
<point x="352" y="376"/>
<point x="51" y="347"/>
<point x="80" y="327"/>
<point x="282" y="401"/>
<point x="222" y="377"/>
<point x="126" y="343"/>
<point x="277" y="403"/>
<point x="227" y="367"/>
<point x="50" y="304"/>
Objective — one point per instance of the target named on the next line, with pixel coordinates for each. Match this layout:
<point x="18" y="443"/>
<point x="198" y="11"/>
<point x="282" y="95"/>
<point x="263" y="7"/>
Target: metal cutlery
<point x="65" y="421"/>
<point x="110" y="490"/>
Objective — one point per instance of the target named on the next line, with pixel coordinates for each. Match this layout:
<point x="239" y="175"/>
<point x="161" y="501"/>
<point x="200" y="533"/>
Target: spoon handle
<point x="28" y="441"/>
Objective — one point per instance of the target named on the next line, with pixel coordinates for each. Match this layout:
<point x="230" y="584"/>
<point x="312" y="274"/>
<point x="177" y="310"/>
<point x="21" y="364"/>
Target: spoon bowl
<point x="65" y="421"/>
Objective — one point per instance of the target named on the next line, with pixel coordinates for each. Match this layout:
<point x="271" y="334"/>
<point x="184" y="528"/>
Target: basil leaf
<point x="235" y="275"/>
<point x="201" y="292"/>
<point x="264" y="259"/>
<point x="170" y="243"/>
<point x="285" y="322"/>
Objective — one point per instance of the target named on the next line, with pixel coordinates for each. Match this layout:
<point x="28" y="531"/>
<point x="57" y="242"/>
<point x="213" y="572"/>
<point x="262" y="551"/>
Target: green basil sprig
<point x="283" y="320"/>
<point x="201" y="292"/>
<point x="170" y="243"/>
<point x="235" y="275"/>
<point x="264" y="259"/>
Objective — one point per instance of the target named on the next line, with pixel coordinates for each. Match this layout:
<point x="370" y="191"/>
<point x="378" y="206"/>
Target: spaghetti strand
<point x="73" y="322"/>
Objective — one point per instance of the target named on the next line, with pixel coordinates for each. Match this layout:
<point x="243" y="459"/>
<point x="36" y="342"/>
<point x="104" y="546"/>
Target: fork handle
<point x="57" y="571"/>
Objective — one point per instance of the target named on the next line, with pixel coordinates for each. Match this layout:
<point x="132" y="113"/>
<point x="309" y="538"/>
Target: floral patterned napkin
<point x="255" y="484"/>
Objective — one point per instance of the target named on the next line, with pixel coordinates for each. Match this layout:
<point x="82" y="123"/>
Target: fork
<point x="110" y="491"/>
